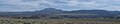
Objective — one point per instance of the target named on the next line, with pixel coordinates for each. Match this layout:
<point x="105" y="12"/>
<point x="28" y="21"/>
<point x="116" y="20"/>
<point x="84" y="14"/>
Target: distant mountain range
<point x="59" y="11"/>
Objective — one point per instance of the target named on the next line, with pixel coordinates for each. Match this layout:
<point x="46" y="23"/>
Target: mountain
<point x="52" y="13"/>
<point x="16" y="13"/>
<point x="59" y="11"/>
<point x="98" y="12"/>
<point x="50" y="10"/>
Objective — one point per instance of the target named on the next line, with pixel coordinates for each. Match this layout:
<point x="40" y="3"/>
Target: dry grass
<point x="58" y="21"/>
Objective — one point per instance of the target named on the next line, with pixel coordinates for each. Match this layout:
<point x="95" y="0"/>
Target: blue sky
<point x="32" y="5"/>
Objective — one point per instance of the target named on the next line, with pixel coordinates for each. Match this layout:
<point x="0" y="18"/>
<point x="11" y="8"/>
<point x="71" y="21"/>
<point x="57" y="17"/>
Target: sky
<point x="32" y="5"/>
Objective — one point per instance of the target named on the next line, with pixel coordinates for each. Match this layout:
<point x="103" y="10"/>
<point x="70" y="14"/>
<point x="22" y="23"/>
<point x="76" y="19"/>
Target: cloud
<point x="31" y="5"/>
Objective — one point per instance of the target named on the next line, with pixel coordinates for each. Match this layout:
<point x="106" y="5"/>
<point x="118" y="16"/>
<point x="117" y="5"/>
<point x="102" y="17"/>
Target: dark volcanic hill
<point x="50" y="10"/>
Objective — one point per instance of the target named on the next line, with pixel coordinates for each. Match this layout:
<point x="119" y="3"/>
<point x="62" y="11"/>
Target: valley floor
<point x="58" y="21"/>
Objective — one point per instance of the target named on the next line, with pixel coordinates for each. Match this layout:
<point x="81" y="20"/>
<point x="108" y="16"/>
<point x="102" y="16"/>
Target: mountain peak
<point x="50" y="10"/>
